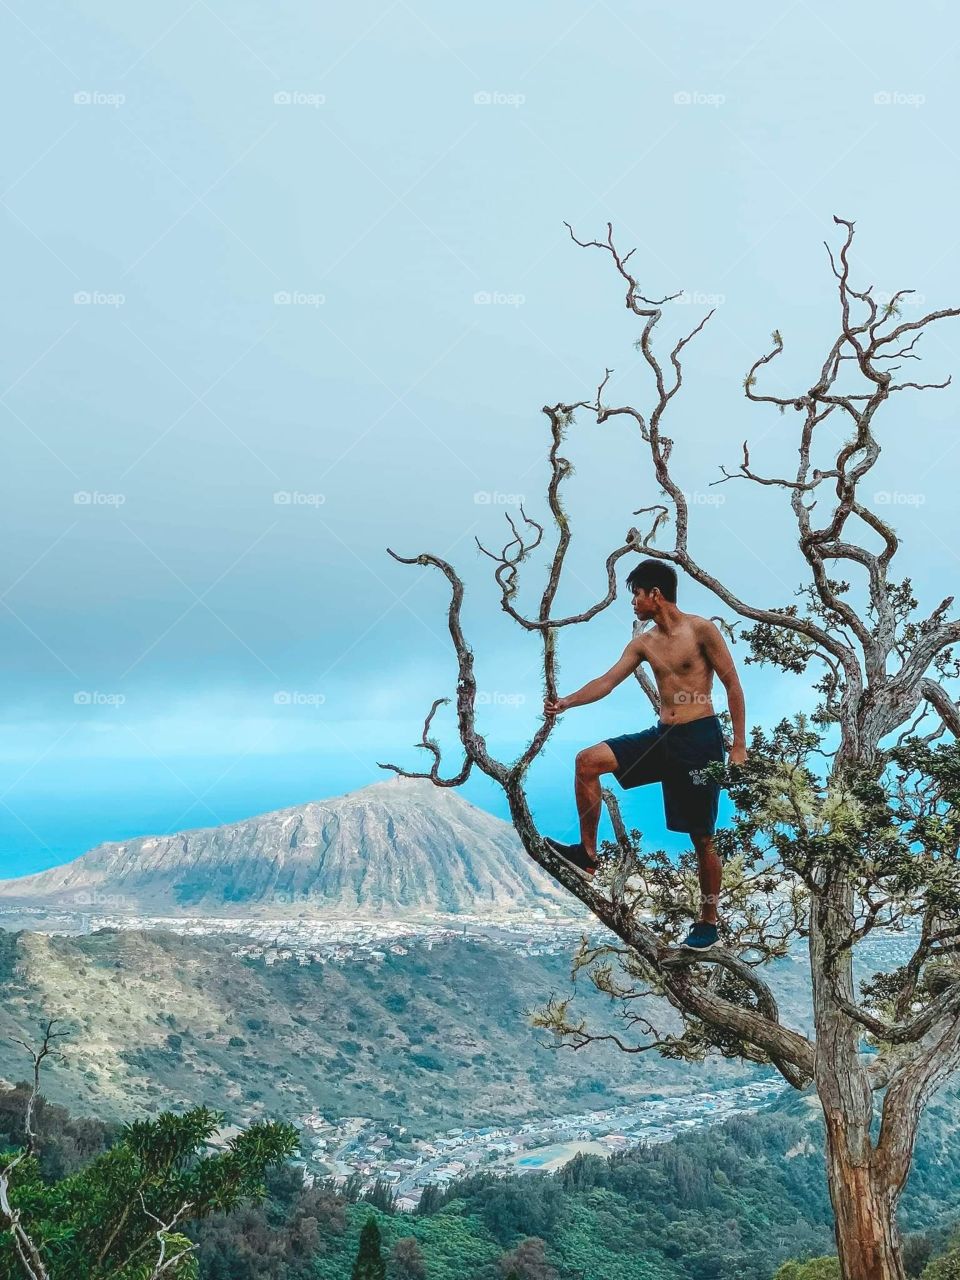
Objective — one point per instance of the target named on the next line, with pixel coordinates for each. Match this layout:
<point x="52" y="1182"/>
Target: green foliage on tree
<point x="718" y="1204"/>
<point x="352" y="1188"/>
<point x="65" y="1143"/>
<point x="812" y="1269"/>
<point x="382" y="1196"/>
<point x="369" y="1264"/>
<point x="946" y="1267"/>
<point x="430" y="1200"/>
<point x="123" y="1214"/>
<point x="278" y="1239"/>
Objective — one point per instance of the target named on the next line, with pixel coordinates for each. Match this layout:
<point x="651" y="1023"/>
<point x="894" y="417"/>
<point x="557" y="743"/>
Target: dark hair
<point x="654" y="573"/>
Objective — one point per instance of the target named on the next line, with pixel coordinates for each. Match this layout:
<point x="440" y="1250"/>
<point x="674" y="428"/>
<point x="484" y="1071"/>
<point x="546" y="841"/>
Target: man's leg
<point x="710" y="875"/>
<point x="591" y="763"/>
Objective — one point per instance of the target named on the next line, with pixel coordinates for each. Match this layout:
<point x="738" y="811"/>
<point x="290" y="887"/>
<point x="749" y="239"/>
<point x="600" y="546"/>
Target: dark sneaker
<point x="701" y="937"/>
<point x="575" y="856"/>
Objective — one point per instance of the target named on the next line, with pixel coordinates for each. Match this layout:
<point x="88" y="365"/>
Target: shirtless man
<point x="683" y="651"/>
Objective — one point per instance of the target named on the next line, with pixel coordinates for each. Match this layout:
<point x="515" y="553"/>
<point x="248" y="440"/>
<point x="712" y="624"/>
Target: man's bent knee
<point x="596" y="760"/>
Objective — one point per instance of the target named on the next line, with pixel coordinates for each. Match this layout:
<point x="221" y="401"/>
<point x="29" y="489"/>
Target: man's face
<point x="645" y="602"/>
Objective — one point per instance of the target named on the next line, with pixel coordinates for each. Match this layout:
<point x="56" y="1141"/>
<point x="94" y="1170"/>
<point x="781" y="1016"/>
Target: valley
<point x="357" y="1149"/>
<point x="365" y="967"/>
<point x="434" y="1035"/>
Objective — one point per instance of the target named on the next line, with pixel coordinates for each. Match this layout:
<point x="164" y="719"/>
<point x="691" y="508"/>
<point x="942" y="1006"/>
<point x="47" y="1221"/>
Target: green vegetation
<point x="732" y="1202"/>
<point x="947" y="1266"/>
<point x="124" y="1212"/>
<point x="813" y="1269"/>
<point x="276" y="1239"/>
<point x="369" y="1264"/>
<point x="161" y="1021"/>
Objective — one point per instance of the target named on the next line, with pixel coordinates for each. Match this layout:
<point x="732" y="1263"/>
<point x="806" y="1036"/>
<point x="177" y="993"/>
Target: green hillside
<point x="436" y="1037"/>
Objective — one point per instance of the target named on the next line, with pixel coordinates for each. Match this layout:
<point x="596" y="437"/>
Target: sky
<point x="288" y="285"/>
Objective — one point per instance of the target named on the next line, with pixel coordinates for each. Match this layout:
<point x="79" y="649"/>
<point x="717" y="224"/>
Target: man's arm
<point x="720" y="658"/>
<point x="626" y="664"/>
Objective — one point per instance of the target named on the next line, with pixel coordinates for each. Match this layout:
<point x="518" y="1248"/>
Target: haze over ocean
<point x="288" y="286"/>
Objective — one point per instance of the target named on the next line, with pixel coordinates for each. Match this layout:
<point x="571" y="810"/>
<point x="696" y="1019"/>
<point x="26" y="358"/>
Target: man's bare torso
<point x="681" y="669"/>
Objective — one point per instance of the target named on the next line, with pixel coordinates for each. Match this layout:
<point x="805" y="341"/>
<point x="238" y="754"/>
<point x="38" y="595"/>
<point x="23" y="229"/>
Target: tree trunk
<point x="863" y="1187"/>
<point x="868" y="1240"/>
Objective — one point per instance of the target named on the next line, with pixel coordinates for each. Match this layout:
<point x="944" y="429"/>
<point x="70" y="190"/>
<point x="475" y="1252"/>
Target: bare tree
<point x="847" y="821"/>
<point x="27" y="1251"/>
<point x="172" y="1248"/>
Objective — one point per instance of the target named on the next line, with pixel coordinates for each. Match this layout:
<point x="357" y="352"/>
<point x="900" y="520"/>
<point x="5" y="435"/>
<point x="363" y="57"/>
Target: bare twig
<point x="27" y="1251"/>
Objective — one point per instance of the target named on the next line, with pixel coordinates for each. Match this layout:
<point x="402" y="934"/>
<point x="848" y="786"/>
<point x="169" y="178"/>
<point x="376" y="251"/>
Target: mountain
<point x="400" y="847"/>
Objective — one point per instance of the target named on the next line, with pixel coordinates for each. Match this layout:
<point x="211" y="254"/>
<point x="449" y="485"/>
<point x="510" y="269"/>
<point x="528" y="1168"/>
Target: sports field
<point x="549" y="1158"/>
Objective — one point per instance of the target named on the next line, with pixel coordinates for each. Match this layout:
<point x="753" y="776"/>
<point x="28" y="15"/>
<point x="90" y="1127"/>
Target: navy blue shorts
<point x="674" y="755"/>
